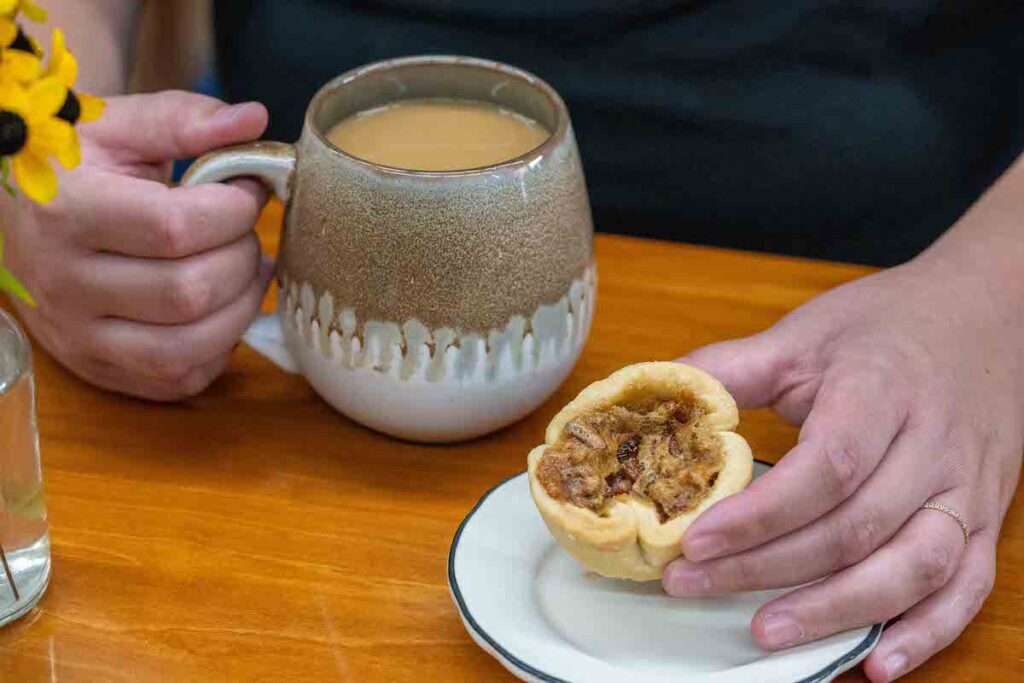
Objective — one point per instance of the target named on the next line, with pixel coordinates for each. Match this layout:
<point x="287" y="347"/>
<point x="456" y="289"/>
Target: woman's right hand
<point x="143" y="288"/>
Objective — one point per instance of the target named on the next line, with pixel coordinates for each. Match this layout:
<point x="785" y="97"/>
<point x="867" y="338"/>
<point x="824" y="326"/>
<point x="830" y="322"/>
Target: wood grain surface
<point x="254" y="534"/>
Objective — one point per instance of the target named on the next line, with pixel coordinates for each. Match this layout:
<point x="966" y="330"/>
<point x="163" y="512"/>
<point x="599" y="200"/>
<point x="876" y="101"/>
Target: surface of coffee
<point x="437" y="134"/>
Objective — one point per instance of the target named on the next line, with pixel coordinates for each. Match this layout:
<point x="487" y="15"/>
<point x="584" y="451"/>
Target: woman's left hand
<point x="909" y="386"/>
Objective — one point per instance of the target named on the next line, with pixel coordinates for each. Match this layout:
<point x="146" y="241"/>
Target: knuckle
<point x="172" y="238"/>
<point x="934" y="639"/>
<point x="940" y="635"/>
<point x="178" y="99"/>
<point x="880" y="369"/>
<point x="738" y="573"/>
<point x="189" y="295"/>
<point x="841" y="461"/>
<point x="763" y="522"/>
<point x="191" y="110"/>
<point x="169" y="361"/>
<point x="977" y="593"/>
<point x="933" y="568"/>
<point x="193" y="383"/>
<point x="860" y="371"/>
<point x="854" y="538"/>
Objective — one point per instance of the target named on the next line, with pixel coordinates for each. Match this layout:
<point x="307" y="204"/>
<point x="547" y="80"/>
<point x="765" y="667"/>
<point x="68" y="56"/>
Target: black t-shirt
<point x="851" y="130"/>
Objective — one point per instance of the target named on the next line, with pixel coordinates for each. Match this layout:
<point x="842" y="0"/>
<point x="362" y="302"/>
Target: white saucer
<point x="536" y="610"/>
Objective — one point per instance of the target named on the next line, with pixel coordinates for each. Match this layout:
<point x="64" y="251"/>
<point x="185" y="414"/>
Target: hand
<point x="142" y="288"/>
<point x="909" y="386"/>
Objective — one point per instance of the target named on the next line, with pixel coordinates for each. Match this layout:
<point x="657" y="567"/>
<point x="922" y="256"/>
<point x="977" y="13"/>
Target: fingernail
<point x="232" y="112"/>
<point x="895" y="664"/>
<point x="780" y="630"/>
<point x="685" y="580"/>
<point x="704" y="547"/>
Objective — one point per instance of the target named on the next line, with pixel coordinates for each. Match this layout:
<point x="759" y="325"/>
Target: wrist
<point x="972" y="281"/>
<point x="991" y="264"/>
<point x="987" y="244"/>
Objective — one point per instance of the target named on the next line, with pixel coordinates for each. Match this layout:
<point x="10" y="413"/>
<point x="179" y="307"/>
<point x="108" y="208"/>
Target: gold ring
<point x="932" y="505"/>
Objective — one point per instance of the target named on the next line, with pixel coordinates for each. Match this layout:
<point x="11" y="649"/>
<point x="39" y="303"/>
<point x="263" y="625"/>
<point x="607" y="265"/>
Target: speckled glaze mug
<point x="429" y="305"/>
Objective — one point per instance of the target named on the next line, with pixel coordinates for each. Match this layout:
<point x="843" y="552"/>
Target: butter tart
<point x="628" y="465"/>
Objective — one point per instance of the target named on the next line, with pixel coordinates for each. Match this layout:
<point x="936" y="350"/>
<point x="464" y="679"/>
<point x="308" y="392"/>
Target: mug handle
<point x="273" y="163"/>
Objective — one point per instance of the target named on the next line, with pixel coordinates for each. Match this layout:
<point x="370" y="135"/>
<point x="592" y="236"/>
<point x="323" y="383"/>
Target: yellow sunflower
<point x="20" y="58"/>
<point x="79" y="107"/>
<point x="30" y="133"/>
<point x="26" y="7"/>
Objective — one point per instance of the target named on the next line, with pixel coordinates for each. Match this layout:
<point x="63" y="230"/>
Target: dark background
<point x="855" y="131"/>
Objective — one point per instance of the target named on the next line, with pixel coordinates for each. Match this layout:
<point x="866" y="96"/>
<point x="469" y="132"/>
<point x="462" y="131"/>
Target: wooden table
<point x="255" y="534"/>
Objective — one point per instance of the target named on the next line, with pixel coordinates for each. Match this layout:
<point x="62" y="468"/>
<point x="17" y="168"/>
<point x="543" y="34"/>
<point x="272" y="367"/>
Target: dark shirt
<point x="850" y="130"/>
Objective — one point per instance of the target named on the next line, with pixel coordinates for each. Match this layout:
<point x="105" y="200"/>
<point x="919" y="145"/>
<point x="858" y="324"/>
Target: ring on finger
<point x="933" y="504"/>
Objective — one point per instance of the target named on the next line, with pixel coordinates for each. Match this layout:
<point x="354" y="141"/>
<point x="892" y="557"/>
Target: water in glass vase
<point x="24" y="541"/>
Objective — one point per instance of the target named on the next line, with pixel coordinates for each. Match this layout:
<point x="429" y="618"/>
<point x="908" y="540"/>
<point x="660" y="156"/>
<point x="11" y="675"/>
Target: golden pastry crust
<point x="627" y="539"/>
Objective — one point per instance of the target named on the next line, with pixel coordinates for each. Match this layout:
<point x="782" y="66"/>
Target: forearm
<point x="100" y="33"/>
<point x="988" y="240"/>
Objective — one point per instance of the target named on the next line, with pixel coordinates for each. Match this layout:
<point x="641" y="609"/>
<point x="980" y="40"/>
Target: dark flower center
<point x="13" y="133"/>
<point x="21" y="42"/>
<point x="71" y="110"/>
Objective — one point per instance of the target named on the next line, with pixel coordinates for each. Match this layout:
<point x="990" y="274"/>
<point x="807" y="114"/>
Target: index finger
<point x="848" y="431"/>
<point x="134" y="217"/>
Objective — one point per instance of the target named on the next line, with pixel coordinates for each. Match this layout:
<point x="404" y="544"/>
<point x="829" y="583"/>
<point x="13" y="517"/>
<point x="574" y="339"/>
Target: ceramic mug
<point x="429" y="305"/>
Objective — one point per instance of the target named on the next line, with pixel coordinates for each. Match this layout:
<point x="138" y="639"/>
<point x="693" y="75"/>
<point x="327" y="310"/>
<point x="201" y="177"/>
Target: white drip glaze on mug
<point x="435" y="385"/>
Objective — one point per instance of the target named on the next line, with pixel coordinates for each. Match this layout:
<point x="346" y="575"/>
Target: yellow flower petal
<point x="69" y="155"/>
<point x="8" y="31"/>
<point x="57" y="45"/>
<point x="35" y="177"/>
<point x="50" y="136"/>
<point x="56" y="138"/>
<point x="46" y="96"/>
<point x="9" y="6"/>
<point x="72" y="157"/>
<point x="13" y="97"/>
<point x="19" y="65"/>
<point x="92" y="107"/>
<point x="33" y="11"/>
<point x="67" y="71"/>
<point x="63" y="64"/>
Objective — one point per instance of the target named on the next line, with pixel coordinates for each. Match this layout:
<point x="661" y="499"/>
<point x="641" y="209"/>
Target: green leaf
<point x="5" y="176"/>
<point x="9" y="283"/>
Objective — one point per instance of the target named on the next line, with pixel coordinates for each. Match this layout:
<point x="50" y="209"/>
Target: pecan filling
<point x="661" y="451"/>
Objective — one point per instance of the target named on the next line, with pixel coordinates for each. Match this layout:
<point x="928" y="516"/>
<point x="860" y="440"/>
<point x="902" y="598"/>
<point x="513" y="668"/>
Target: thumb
<point x="752" y="368"/>
<point x="174" y="124"/>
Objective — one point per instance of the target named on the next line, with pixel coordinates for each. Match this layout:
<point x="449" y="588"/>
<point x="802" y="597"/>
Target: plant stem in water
<point x="10" y="577"/>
